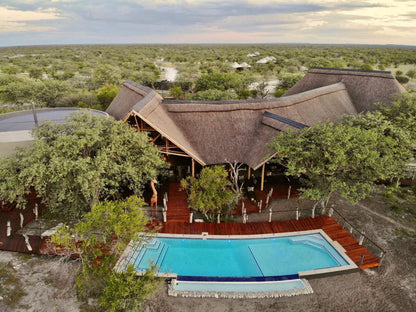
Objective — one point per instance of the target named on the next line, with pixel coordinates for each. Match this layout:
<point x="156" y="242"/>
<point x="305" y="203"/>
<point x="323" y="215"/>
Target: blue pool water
<point x="235" y="258"/>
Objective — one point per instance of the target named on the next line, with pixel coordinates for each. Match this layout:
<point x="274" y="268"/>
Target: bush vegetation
<point x="53" y="76"/>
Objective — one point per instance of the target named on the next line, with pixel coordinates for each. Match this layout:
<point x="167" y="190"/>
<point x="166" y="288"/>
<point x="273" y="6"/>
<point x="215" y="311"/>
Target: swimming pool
<point x="242" y="258"/>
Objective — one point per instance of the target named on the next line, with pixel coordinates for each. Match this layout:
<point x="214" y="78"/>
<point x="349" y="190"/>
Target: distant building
<point x="241" y="66"/>
<point x="267" y="59"/>
<point x="253" y="54"/>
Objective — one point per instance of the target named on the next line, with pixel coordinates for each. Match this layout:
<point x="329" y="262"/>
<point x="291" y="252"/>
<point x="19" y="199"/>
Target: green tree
<point x="106" y="75"/>
<point x="211" y="193"/>
<point x="366" y="67"/>
<point x="49" y="92"/>
<point x="402" y="79"/>
<point x="105" y="96"/>
<point x="287" y="81"/>
<point x="402" y="112"/>
<point x="99" y="238"/>
<point x="213" y="95"/>
<point x="73" y="165"/>
<point x="176" y="92"/>
<point x="35" y="72"/>
<point x="344" y="158"/>
<point x="217" y="81"/>
<point x="411" y="73"/>
<point x="16" y="92"/>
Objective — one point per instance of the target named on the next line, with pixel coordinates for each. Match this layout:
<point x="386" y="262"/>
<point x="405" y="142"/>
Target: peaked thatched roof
<point x="364" y="87"/>
<point x="213" y="132"/>
<point x="130" y="95"/>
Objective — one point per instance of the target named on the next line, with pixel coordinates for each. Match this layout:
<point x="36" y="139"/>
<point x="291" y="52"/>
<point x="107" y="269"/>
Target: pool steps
<point x="319" y="243"/>
<point x="156" y="249"/>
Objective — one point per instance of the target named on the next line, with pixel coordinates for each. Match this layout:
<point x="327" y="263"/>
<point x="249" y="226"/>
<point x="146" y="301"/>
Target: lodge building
<point x="199" y="133"/>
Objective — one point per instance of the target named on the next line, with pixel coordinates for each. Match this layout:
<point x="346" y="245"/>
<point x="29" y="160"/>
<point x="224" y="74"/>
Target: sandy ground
<point x="170" y="73"/>
<point x="392" y="287"/>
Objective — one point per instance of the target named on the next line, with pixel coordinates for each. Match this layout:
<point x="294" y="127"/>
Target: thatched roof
<point x="130" y="95"/>
<point x="213" y="132"/>
<point x="364" y="87"/>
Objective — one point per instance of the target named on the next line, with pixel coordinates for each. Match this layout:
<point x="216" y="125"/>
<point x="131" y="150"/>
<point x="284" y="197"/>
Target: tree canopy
<point x="73" y="165"/>
<point x="99" y="238"/>
<point x="347" y="158"/>
<point x="211" y="193"/>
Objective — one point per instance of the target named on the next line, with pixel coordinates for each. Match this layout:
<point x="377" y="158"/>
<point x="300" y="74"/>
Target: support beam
<point x="262" y="177"/>
<point x="137" y="123"/>
<point x="193" y="168"/>
<point x="249" y="173"/>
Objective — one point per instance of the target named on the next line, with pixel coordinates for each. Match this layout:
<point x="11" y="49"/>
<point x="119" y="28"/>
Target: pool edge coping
<point x="350" y="267"/>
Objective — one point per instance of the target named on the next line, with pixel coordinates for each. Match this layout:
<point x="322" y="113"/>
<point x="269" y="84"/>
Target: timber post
<point x="262" y="177"/>
<point x="193" y="168"/>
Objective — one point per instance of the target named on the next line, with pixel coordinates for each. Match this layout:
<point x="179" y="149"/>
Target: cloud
<point x="12" y="20"/>
<point x="199" y="21"/>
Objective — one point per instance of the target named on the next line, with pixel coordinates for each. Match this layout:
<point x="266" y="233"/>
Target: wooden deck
<point x="178" y="210"/>
<point x="328" y="224"/>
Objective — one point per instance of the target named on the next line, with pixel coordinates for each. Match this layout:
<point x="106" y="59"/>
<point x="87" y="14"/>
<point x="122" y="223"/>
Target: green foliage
<point x="411" y="73"/>
<point x="213" y="95"/>
<point x="279" y="92"/>
<point x="35" y="72"/>
<point x="347" y="158"/>
<point x="43" y="93"/>
<point x="126" y="291"/>
<point x="84" y="100"/>
<point x="99" y="238"/>
<point x="106" y="75"/>
<point x="105" y="96"/>
<point x="366" y="67"/>
<point x="286" y="81"/>
<point x="176" y="92"/>
<point x="402" y="112"/>
<point x="402" y="79"/>
<point x="48" y="92"/>
<point x="210" y="194"/>
<point x="74" y="165"/>
<point x="11" y="70"/>
<point x="17" y="92"/>
<point x="88" y="68"/>
<point x="217" y="81"/>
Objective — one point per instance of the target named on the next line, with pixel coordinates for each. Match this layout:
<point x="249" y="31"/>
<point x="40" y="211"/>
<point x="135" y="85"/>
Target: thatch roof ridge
<point x="348" y="71"/>
<point x="262" y="104"/>
<point x="292" y="123"/>
<point x="364" y="87"/>
<point x="137" y="87"/>
<point x="132" y="96"/>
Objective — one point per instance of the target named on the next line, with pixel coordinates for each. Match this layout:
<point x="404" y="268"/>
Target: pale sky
<point x="38" y="22"/>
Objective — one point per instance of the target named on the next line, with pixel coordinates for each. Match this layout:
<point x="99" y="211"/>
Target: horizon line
<point x="213" y="43"/>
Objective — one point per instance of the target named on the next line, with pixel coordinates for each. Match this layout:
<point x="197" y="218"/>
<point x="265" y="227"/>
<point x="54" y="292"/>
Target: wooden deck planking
<point x="327" y="224"/>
